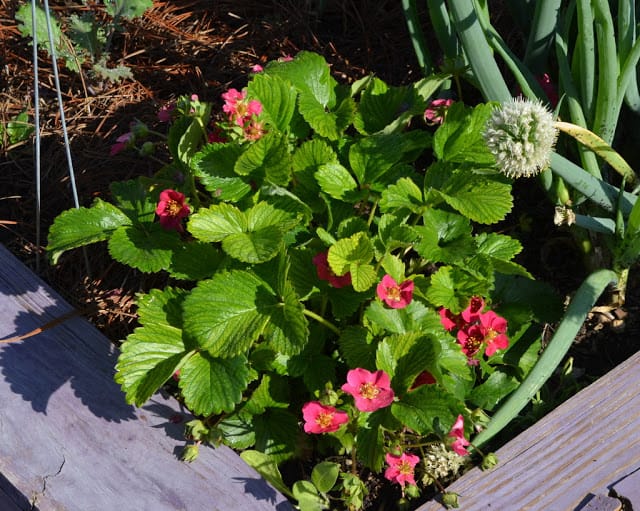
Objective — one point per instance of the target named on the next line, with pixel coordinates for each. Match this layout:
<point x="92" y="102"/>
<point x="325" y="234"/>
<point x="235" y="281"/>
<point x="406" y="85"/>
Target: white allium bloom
<point x="441" y="462"/>
<point x="521" y="134"/>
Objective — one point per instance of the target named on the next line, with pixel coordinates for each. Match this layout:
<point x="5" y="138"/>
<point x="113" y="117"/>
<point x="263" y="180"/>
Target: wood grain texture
<point x="68" y="440"/>
<point x="583" y="448"/>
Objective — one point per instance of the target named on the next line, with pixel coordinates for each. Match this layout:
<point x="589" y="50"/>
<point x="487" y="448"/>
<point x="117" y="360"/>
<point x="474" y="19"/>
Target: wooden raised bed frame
<point x="68" y="440"/>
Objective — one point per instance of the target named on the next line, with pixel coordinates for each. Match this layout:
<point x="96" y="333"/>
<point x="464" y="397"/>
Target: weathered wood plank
<point x="68" y="440"/>
<point x="582" y="448"/>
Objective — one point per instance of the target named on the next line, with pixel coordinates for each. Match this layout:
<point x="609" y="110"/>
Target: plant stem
<point x="322" y="321"/>
<point x="485" y="69"/>
<point x="552" y="356"/>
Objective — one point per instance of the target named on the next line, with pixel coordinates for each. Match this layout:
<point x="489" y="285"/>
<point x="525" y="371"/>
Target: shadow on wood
<point x="69" y="441"/>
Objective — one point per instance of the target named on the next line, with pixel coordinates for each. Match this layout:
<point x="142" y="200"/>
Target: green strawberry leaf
<point x="278" y="99"/>
<point x="403" y="194"/>
<point x="147" y="247"/>
<point x="460" y="139"/>
<point x="483" y="198"/>
<point x="214" y="166"/>
<point x="330" y="124"/>
<point x="445" y="237"/>
<point x="78" y="227"/>
<point x="227" y="314"/>
<point x="195" y="261"/>
<point x="427" y="409"/>
<point x="134" y="201"/>
<point x="288" y="329"/>
<point x="489" y="393"/>
<point x="336" y="181"/>
<point x="153" y="352"/>
<point x="212" y="385"/>
<point x="277" y="433"/>
<point x="268" y="156"/>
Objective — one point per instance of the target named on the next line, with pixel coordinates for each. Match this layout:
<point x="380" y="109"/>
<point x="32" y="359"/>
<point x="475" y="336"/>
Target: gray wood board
<point x="583" y="448"/>
<point x="69" y="441"/>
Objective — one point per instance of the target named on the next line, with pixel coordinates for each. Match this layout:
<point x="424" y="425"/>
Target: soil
<point x="205" y="48"/>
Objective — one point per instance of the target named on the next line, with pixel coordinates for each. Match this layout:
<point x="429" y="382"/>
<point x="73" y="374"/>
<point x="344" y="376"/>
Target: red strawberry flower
<point x="171" y="209"/>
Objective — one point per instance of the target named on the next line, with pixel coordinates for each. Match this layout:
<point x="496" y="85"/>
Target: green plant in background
<point x="595" y="64"/>
<point x="336" y="285"/>
<point x="84" y="39"/>
<point x="16" y="130"/>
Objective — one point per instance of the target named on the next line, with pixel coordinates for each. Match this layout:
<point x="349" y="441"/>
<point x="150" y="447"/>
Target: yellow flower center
<point x="472" y="345"/>
<point x="490" y="335"/>
<point x="393" y="293"/>
<point x="173" y="208"/>
<point x="324" y="419"/>
<point x="369" y="390"/>
<point x="405" y="468"/>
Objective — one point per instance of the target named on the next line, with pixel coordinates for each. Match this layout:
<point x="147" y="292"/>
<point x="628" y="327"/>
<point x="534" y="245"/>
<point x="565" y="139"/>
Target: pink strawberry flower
<point x="253" y="130"/>
<point x="460" y="443"/>
<point x="495" y="328"/>
<point x="257" y="68"/>
<point x="396" y="296"/>
<point x="472" y="313"/>
<point x="370" y="391"/>
<point x="238" y="108"/>
<point x="471" y="339"/>
<point x="122" y="142"/>
<point x="449" y="320"/>
<point x="171" y="209"/>
<point x="326" y="273"/>
<point x="321" y="418"/>
<point x="424" y="378"/>
<point x="436" y="111"/>
<point x="489" y="333"/>
<point x="401" y="468"/>
<point x="166" y="112"/>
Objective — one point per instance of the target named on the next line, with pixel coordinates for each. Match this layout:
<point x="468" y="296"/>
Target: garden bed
<point x="193" y="48"/>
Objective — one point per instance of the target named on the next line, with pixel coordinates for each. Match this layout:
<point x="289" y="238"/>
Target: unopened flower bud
<point x="147" y="149"/>
<point x="190" y="453"/>
<point x="139" y="129"/>
<point x="450" y="499"/>
<point x="490" y="460"/>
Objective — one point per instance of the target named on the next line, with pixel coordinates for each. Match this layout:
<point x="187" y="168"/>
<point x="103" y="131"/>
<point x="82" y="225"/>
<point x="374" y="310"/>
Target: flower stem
<point x="322" y="321"/>
<point x="552" y="356"/>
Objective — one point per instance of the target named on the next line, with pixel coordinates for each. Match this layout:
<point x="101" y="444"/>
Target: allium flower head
<point x="171" y="209"/>
<point x="370" y="391"/>
<point x="401" y="468"/>
<point x="319" y="418"/>
<point x="521" y="135"/>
